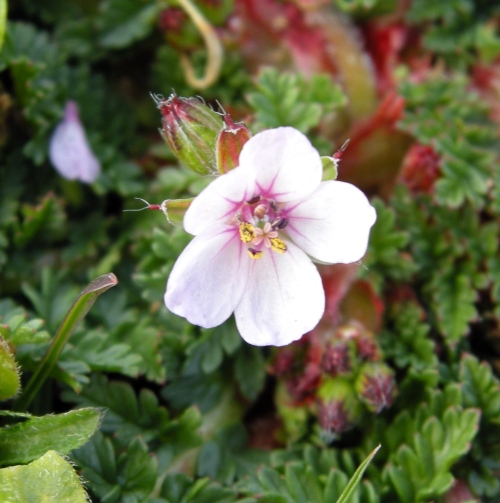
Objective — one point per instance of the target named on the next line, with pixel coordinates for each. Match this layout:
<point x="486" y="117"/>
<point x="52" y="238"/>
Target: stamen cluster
<point x="259" y="222"/>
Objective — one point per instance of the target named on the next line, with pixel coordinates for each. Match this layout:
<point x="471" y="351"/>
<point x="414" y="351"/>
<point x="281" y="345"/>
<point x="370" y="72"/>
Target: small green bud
<point x="190" y="129"/>
<point x="338" y="407"/>
<point x="375" y="386"/>
<point x="229" y="144"/>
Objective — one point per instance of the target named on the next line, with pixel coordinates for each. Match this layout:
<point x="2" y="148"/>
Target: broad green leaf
<point x="48" y="479"/>
<point x="27" y="441"/>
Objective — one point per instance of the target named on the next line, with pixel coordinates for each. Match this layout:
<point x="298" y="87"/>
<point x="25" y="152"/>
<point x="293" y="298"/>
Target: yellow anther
<point x="247" y="232"/>
<point x="278" y="245"/>
<point x="254" y="253"/>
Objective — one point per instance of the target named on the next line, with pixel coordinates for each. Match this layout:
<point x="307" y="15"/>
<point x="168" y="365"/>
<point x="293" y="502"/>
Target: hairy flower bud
<point x="338" y="408"/>
<point x="229" y="144"/>
<point x="190" y="129"/>
<point x="337" y="359"/>
<point x="376" y="386"/>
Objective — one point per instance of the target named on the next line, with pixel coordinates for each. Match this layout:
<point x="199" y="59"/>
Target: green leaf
<point x="3" y="20"/>
<point x="249" y="368"/>
<point x="386" y="244"/>
<point x="50" y="478"/>
<point x="130" y="476"/>
<point x="73" y="318"/>
<point x="425" y="444"/>
<point x="285" y="99"/>
<point x="481" y="388"/>
<point x="356" y="478"/>
<point x="27" y="441"/>
<point x="127" y="21"/>
<point x="129" y="415"/>
<point x="454" y="300"/>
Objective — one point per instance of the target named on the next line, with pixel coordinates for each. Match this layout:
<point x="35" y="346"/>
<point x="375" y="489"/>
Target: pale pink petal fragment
<point x="333" y="224"/>
<point x="69" y="150"/>
<point x="286" y="165"/>
<point x="283" y="300"/>
<point x="209" y="277"/>
<point x="219" y="200"/>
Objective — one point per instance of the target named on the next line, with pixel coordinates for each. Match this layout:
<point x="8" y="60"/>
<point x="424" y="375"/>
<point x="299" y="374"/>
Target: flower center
<point x="259" y="222"/>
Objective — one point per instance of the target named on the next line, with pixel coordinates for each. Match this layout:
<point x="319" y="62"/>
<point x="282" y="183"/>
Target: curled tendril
<point x="213" y="45"/>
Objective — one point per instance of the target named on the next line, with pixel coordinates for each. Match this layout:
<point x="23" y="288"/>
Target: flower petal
<point x="209" y="277"/>
<point x="69" y="150"/>
<point x="332" y="224"/>
<point x="283" y="300"/>
<point x="219" y="200"/>
<point x="286" y="165"/>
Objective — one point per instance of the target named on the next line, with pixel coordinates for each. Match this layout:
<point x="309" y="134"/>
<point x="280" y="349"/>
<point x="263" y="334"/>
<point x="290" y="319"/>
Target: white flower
<point x="69" y="150"/>
<point x="255" y="229"/>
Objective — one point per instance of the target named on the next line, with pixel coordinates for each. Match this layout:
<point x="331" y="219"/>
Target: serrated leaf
<point x="130" y="476"/>
<point x="454" y="298"/>
<point x="50" y="478"/>
<point x="285" y="99"/>
<point x="481" y="388"/>
<point x="27" y="441"/>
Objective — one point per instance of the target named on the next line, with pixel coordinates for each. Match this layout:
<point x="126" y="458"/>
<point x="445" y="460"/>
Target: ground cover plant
<point x="107" y="394"/>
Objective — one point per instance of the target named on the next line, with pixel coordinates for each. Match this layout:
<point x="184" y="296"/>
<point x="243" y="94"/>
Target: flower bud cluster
<point x="335" y="377"/>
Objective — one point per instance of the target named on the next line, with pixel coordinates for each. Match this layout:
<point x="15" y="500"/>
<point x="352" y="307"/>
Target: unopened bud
<point x="338" y="408"/>
<point x="230" y="143"/>
<point x="190" y="129"/>
<point x="376" y="386"/>
<point x="337" y="359"/>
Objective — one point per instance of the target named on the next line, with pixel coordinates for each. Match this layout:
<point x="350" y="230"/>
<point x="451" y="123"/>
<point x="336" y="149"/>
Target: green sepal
<point x="175" y="209"/>
<point x="50" y="478"/>
<point x="330" y="165"/>
<point x="10" y="381"/>
<point x="230" y="142"/>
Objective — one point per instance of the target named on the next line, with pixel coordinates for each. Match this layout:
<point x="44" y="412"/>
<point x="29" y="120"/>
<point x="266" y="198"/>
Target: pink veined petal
<point x="69" y="150"/>
<point x="209" y="277"/>
<point x="219" y="200"/>
<point x="283" y="300"/>
<point x="286" y="165"/>
<point x="332" y="224"/>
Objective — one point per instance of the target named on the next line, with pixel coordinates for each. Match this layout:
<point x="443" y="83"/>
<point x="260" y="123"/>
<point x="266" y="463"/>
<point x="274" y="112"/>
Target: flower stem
<point x="214" y="49"/>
